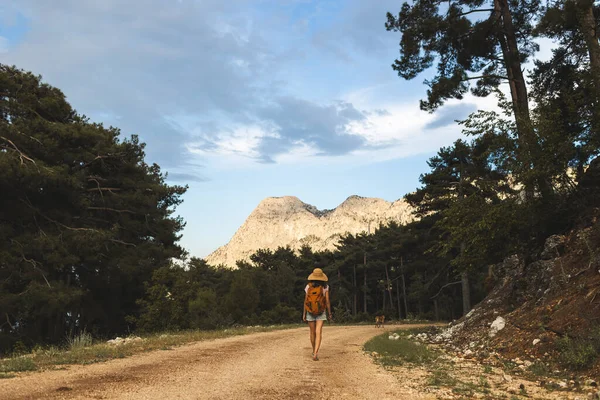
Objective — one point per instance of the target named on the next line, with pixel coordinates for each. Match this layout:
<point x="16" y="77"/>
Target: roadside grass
<point x="441" y="376"/>
<point x="17" y="364"/>
<point x="82" y="350"/>
<point x="441" y="371"/>
<point x="388" y="323"/>
<point x="403" y="350"/>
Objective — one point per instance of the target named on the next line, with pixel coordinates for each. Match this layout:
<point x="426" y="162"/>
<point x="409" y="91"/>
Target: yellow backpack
<point x="315" y="300"/>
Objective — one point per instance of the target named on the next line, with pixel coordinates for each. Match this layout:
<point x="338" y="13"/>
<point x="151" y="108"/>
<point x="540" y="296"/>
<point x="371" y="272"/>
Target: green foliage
<point x="203" y="310"/>
<point x="280" y="314"/>
<point x="539" y="368"/>
<point x="579" y="353"/>
<point x="83" y="339"/>
<point x="398" y="352"/>
<point x="17" y="364"/>
<point x="440" y="377"/>
<point x="466" y="39"/>
<point x="87" y="221"/>
<point x="341" y="313"/>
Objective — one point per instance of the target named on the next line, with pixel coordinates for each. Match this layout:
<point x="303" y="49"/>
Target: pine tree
<point x="461" y="176"/>
<point x="489" y="51"/>
<point x="84" y="221"/>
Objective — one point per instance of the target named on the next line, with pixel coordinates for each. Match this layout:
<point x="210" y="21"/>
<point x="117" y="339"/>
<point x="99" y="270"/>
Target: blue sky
<point x="241" y="100"/>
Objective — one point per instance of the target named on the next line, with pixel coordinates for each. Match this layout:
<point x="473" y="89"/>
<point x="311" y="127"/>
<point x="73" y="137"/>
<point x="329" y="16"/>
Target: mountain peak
<point x="288" y="221"/>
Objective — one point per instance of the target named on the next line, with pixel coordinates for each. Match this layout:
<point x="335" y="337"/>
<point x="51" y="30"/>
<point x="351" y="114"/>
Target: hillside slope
<point x="544" y="313"/>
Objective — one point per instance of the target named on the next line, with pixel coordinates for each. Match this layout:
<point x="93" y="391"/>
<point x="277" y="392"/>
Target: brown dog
<point x="379" y="321"/>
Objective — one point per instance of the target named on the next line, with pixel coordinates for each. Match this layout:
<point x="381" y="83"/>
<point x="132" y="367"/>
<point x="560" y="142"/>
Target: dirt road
<point x="272" y="365"/>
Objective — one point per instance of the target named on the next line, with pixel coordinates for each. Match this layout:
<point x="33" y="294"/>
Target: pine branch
<point x="101" y="189"/>
<point x="22" y="155"/>
<point x="28" y="204"/>
<point x="33" y="262"/>
<point x="475" y="11"/>
<point x="101" y="158"/>
<point x="8" y="321"/>
<point x="122" y="242"/>
<point x="112" y="209"/>
<point x="446" y="285"/>
<point x="98" y="184"/>
<point x="470" y="78"/>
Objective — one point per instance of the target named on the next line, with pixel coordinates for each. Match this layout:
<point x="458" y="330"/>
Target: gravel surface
<point x="271" y="365"/>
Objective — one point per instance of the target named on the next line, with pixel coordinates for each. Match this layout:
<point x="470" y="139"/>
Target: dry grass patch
<point x="82" y="350"/>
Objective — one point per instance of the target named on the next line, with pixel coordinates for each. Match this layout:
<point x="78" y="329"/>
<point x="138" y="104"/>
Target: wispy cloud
<point x="200" y="81"/>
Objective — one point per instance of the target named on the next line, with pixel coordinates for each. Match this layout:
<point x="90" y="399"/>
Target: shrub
<point x="17" y="364"/>
<point x="280" y="314"/>
<point x="341" y="314"/>
<point x="579" y="353"/>
<point x="84" y="339"/>
<point x="363" y="317"/>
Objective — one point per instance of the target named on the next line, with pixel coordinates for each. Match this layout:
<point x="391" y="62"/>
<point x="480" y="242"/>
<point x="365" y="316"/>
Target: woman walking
<point x="316" y="303"/>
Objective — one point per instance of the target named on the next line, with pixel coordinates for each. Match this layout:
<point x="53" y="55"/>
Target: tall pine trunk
<point x="398" y="298"/>
<point x="388" y="286"/>
<point x="527" y="139"/>
<point x="589" y="30"/>
<point x="403" y="288"/>
<point x="365" y="285"/>
<point x="466" y="292"/>
<point x="355" y="299"/>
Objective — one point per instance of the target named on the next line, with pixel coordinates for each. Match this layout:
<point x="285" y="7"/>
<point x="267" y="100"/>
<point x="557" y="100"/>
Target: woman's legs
<point x="311" y="325"/>
<point x="318" y="336"/>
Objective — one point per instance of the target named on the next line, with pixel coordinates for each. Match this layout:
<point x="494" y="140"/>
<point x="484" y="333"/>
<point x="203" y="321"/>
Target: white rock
<point x="496" y="326"/>
<point x="536" y="341"/>
<point x="448" y="333"/>
<point x="119" y="340"/>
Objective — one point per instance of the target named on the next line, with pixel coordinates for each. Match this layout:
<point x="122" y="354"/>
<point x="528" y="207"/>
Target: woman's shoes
<point x="315" y="357"/>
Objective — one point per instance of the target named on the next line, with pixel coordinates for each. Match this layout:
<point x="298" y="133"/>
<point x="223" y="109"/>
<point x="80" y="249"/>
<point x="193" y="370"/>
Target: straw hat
<point x="317" y="275"/>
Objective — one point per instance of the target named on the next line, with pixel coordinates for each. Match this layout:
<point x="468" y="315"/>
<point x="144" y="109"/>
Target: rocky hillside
<point x="283" y="221"/>
<point x="542" y="315"/>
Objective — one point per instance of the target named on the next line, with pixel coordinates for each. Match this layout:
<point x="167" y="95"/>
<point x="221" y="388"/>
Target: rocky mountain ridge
<point x="283" y="221"/>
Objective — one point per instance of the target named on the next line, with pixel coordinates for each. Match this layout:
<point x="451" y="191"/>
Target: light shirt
<point x="325" y="289"/>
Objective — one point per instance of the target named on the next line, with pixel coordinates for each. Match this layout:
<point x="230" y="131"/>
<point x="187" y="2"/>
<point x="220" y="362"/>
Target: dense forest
<point x="89" y="236"/>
